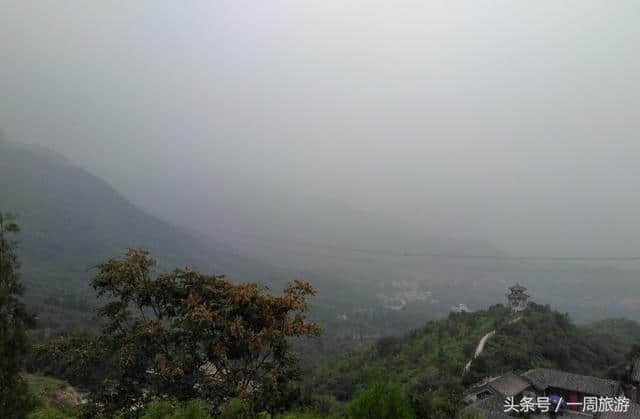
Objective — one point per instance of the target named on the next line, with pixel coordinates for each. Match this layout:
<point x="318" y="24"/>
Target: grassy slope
<point x="53" y="393"/>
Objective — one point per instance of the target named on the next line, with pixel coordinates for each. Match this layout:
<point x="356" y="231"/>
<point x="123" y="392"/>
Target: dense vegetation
<point x="177" y="344"/>
<point x="14" y="319"/>
<point x="544" y="338"/>
<point x="421" y="374"/>
<point x="183" y="335"/>
<point x="429" y="362"/>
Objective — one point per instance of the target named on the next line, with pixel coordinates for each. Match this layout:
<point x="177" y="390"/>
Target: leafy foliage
<point x="190" y="335"/>
<point x="544" y="338"/>
<point x="424" y="361"/>
<point x="380" y="399"/>
<point x="51" y="393"/>
<point x="49" y="413"/>
<point x="80" y="359"/>
<point x="236" y="409"/>
<point x="14" y="320"/>
<point x="191" y="409"/>
<point x="428" y="363"/>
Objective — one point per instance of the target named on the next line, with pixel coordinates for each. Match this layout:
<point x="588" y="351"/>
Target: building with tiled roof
<point x="548" y="380"/>
<point x="491" y="407"/>
<point x="488" y="399"/>
<point x="635" y="374"/>
<point x="632" y="413"/>
<point x="507" y="385"/>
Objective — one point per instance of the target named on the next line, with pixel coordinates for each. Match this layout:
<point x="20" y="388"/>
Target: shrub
<point x="380" y="400"/>
<point x="49" y="413"/>
<point x="236" y="409"/>
<point x="193" y="409"/>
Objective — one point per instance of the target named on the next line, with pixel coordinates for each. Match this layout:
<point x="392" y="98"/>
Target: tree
<point x="380" y="400"/>
<point x="14" y="320"/>
<point x="190" y="335"/>
<point x="79" y="359"/>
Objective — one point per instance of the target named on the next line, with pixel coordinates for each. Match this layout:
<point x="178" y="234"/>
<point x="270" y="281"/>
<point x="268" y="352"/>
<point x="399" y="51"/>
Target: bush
<point x="236" y="409"/>
<point x="381" y="400"/>
<point x="193" y="409"/>
<point x="388" y="345"/>
<point x="304" y="414"/>
<point x="49" y="413"/>
<point x="326" y="406"/>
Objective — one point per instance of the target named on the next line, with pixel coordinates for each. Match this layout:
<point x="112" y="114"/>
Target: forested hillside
<point x="545" y="338"/>
<point x="72" y="220"/>
<point x="429" y="362"/>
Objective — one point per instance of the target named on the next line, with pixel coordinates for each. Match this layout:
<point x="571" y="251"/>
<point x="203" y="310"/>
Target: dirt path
<point x="479" y="349"/>
<point x="481" y="345"/>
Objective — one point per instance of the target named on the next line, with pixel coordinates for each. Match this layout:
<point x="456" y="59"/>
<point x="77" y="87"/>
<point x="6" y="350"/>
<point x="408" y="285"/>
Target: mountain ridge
<point x="72" y="220"/>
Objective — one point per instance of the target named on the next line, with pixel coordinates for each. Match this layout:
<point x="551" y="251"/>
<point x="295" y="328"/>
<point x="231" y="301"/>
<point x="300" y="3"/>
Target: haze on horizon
<point x="511" y="123"/>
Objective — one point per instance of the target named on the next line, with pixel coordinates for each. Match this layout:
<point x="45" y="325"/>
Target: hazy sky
<point x="511" y="122"/>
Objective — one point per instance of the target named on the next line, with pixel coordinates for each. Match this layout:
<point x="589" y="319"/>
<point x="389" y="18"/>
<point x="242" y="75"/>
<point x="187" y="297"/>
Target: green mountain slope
<point x="431" y="360"/>
<point x="544" y="338"/>
<point x="71" y="221"/>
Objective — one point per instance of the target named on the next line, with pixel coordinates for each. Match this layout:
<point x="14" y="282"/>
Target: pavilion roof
<point x="517" y="287"/>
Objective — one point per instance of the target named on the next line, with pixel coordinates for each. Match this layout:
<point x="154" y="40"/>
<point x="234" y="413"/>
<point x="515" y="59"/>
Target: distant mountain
<point x="72" y="220"/>
<point x="372" y="279"/>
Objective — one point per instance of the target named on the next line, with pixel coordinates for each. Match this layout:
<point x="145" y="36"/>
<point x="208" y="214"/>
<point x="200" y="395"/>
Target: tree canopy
<point x="191" y="335"/>
<point x="14" y="319"/>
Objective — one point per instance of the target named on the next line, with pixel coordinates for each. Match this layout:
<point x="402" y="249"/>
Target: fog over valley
<point x="513" y="126"/>
<point x="319" y="209"/>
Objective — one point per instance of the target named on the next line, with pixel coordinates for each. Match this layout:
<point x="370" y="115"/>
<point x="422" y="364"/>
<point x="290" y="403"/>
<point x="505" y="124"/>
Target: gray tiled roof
<point x="509" y="384"/>
<point x="543" y="378"/>
<point x="635" y="375"/>
<point x="489" y="408"/>
<point x="632" y="413"/>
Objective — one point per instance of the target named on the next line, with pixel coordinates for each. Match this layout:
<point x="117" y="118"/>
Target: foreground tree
<point x="188" y="335"/>
<point x="14" y="319"/>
